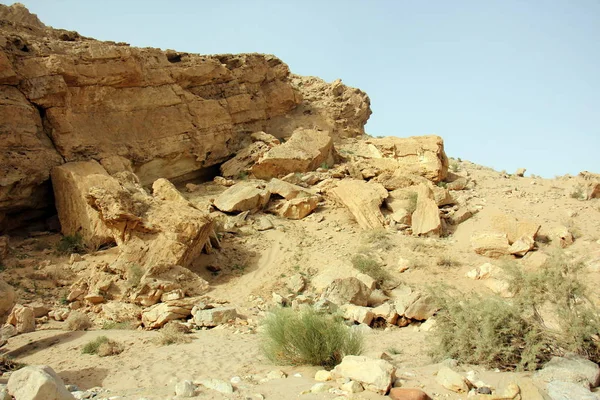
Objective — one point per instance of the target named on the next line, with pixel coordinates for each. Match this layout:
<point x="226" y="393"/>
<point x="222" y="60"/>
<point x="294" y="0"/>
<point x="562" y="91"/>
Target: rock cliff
<point x="159" y="114"/>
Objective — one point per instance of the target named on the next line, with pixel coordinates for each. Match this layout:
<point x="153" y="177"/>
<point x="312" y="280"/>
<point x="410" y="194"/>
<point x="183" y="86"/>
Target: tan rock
<point x="214" y="316"/>
<point x="452" y="380"/>
<point x="7" y="300"/>
<point x="399" y="393"/>
<point x="363" y="200"/>
<point x="243" y="196"/>
<point x="22" y="318"/>
<point x="484" y="271"/>
<point x="361" y="315"/>
<point x="37" y="382"/>
<point x="161" y="313"/>
<point x="240" y="165"/>
<point x="426" y="218"/>
<point x="3" y="247"/>
<point x="561" y="236"/>
<point x="460" y="183"/>
<point x="520" y="172"/>
<point x="514" y="228"/>
<point x="422" y="308"/>
<point x="347" y="290"/>
<point x="374" y="374"/>
<point x="490" y="244"/>
<point x="287" y="190"/>
<point x="419" y="155"/>
<point x="298" y="207"/>
<point x="521" y="246"/>
<point x="305" y="151"/>
<point x="387" y="312"/>
<point x="460" y="216"/>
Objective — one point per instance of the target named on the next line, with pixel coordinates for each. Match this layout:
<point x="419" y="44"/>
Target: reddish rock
<point x="408" y="394"/>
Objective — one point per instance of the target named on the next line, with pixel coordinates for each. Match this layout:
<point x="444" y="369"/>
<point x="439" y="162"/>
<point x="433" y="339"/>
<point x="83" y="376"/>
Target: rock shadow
<point x="42" y="344"/>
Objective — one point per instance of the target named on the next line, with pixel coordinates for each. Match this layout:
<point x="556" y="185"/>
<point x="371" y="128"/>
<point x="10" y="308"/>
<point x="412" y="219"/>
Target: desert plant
<point x="71" y="244"/>
<point x="92" y="346"/>
<point x="578" y="193"/>
<point x="102" y="346"/>
<point x="446" y="261"/>
<point x="454" y="166"/>
<point x="324" y="165"/>
<point x="511" y="334"/>
<point x="371" y="267"/>
<point x="308" y="337"/>
<point x="7" y="364"/>
<point x="173" y="333"/>
<point x="78" y="321"/>
<point x="379" y="238"/>
<point x="412" y="205"/>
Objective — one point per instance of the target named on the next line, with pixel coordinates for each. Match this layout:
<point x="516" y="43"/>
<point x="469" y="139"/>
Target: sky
<point x="506" y="83"/>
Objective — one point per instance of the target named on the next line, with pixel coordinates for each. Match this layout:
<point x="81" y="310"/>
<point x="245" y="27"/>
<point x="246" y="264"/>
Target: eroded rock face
<point x="66" y="98"/>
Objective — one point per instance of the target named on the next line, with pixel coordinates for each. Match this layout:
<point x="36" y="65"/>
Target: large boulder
<point x="306" y="150"/>
<point x="418" y="155"/>
<point x="159" y="314"/>
<point x="363" y="200"/>
<point x="514" y="228"/>
<point x="37" y="382"/>
<point x="490" y="244"/>
<point x="426" y="217"/>
<point x="243" y="196"/>
<point x="22" y="318"/>
<point x="347" y="291"/>
<point x="374" y="374"/>
<point x="7" y="300"/>
<point x="571" y="368"/>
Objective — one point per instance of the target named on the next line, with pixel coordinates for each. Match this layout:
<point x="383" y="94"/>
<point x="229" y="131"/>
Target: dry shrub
<point x="308" y="337"/>
<point x="78" y="321"/>
<point x="173" y="333"/>
<point x="7" y="364"/>
<point x="371" y="267"/>
<point x="102" y="346"/>
<point x="510" y="334"/>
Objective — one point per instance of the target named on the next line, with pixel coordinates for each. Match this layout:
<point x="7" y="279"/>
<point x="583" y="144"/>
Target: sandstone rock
<point x="363" y="200"/>
<point x="426" y="218"/>
<point x="22" y="318"/>
<point x="484" y="271"/>
<point x="421" y="308"/>
<point x="7" y="299"/>
<point x="217" y="385"/>
<point x="305" y="151"/>
<point x="460" y="216"/>
<point x="214" y="316"/>
<point x="558" y="390"/>
<point x="159" y="314"/>
<point x="287" y="190"/>
<point x="374" y="374"/>
<point x="367" y="280"/>
<point x="452" y="380"/>
<point x="37" y="383"/>
<point x="347" y="290"/>
<point x="521" y="246"/>
<point x="408" y="394"/>
<point x="243" y="196"/>
<point x="421" y="155"/>
<point x="387" y="312"/>
<point x="571" y="368"/>
<point x="561" y="236"/>
<point x="520" y="172"/>
<point x="499" y="286"/>
<point x="393" y="176"/>
<point x="361" y="315"/>
<point x="352" y="387"/>
<point x="323" y="376"/>
<point x="240" y="165"/>
<point x="185" y="389"/>
<point x="460" y="183"/>
<point x="296" y="283"/>
<point x="490" y="244"/>
<point x="514" y="228"/>
<point x="298" y="208"/>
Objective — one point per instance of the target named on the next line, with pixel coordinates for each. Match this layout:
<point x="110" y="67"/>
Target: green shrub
<point x="454" y="166"/>
<point x="308" y="337"/>
<point x="71" y="244"/>
<point x="173" y="333"/>
<point x="92" y="346"/>
<point x="134" y="275"/>
<point x="511" y="334"/>
<point x="369" y="266"/>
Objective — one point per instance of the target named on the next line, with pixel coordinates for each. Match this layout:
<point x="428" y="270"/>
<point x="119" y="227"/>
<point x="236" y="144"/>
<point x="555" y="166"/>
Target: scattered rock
<point x="490" y="244"/>
<point x="352" y="387"/>
<point x="484" y="271"/>
<point x="214" y="316"/>
<point x="347" y="290"/>
<point x="558" y="390"/>
<point x="452" y="380"/>
<point x="7" y="299"/>
<point x="520" y="172"/>
<point x="22" y="318"/>
<point x="361" y="315"/>
<point x="243" y="196"/>
<point x="217" y="385"/>
<point x="159" y="314"/>
<point x="323" y="376"/>
<point x="185" y="389"/>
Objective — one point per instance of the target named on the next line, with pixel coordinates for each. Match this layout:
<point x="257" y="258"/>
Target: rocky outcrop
<point x="66" y="98"/>
<point x="363" y="200"/>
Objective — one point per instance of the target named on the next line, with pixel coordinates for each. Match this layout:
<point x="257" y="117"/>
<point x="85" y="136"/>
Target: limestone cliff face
<point x="161" y="114"/>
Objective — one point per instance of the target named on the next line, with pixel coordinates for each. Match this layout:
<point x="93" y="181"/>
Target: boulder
<point x="361" y="315"/>
<point x="22" y="318"/>
<point x="243" y="196"/>
<point x="374" y="374"/>
<point x="460" y="216"/>
<point x="514" y="228"/>
<point x="185" y="388"/>
<point x="521" y="246"/>
<point x="452" y="380"/>
<point x="240" y="165"/>
<point x="7" y="300"/>
<point x="298" y="207"/>
<point x="347" y="291"/>
<point x="559" y="390"/>
<point x="217" y="385"/>
<point x="422" y="308"/>
<point x="159" y="314"/>
<point x="287" y="190"/>
<point x="214" y="316"/>
<point x="571" y="368"/>
<point x="37" y="382"/>
<point x="363" y="200"/>
<point x="426" y="217"/>
<point x="304" y="151"/>
<point x="418" y="155"/>
<point x="490" y="244"/>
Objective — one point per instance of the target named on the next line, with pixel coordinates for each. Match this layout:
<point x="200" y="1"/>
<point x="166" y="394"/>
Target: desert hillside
<point x="158" y="211"/>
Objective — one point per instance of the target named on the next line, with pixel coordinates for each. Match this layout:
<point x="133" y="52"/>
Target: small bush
<point x="454" y="166"/>
<point x="308" y="337"/>
<point x="511" y="334"/>
<point x="446" y="261"/>
<point x="412" y="205"/>
<point x="77" y="321"/>
<point x="71" y="244"/>
<point x="7" y="364"/>
<point x="370" y="267"/>
<point x="92" y="346"/>
<point x="102" y="346"/>
<point x="173" y="334"/>
<point x="379" y="238"/>
<point x="578" y="193"/>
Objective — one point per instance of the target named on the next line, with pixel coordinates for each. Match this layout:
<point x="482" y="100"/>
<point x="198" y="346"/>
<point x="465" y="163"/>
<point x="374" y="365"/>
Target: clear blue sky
<point x="506" y="83"/>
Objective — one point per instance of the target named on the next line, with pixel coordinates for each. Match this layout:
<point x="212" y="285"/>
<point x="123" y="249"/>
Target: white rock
<point x="352" y="387"/>
<point x="37" y="382"/>
<point x="185" y="389"/>
<point x="319" y="388"/>
<point x="569" y="391"/>
<point x="217" y="384"/>
<point x="452" y="380"/>
<point x="571" y="368"/>
<point x="323" y="376"/>
<point x="375" y="374"/>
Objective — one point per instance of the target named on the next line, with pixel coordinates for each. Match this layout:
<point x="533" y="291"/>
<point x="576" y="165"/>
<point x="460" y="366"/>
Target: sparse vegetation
<point x="367" y="265"/>
<point x="7" y="364"/>
<point x="71" y="244"/>
<point x="78" y="321"/>
<point x="379" y="238"/>
<point x="325" y="165"/>
<point x="134" y="275"/>
<point x="393" y="351"/>
<point x="172" y="334"/>
<point x="308" y="337"/>
<point x="412" y="205"/>
<point x="446" y="261"/>
<point x="243" y="175"/>
<point x="124" y="325"/>
<point x="578" y="193"/>
<point x="102" y="346"/>
<point x="511" y="334"/>
<point x="454" y="166"/>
